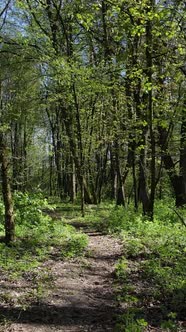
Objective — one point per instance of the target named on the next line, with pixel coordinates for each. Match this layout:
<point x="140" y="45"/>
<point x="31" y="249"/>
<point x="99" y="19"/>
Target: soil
<point x="81" y="295"/>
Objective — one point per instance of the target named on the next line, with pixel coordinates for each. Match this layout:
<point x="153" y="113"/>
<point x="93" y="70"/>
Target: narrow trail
<point x="82" y="298"/>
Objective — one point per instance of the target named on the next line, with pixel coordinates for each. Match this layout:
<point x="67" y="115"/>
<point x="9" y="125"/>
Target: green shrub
<point x="129" y="322"/>
<point x="28" y="208"/>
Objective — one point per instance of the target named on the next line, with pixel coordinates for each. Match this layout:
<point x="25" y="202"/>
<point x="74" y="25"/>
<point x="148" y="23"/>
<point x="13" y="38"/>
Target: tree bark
<point x="120" y="196"/>
<point x="183" y="156"/>
<point x="7" y="194"/>
<point x="177" y="181"/>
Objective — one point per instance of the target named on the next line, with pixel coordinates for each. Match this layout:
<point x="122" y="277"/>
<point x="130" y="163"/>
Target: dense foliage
<point x="93" y="109"/>
<point x="93" y="99"/>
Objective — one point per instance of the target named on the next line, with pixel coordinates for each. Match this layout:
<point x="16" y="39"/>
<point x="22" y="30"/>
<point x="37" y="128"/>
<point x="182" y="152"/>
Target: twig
<point x="183" y="220"/>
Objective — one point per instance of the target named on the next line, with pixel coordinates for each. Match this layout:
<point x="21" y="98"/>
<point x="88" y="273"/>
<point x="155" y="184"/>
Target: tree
<point x="6" y="190"/>
<point x="108" y="82"/>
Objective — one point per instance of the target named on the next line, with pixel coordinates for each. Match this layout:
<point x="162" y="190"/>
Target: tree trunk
<point x="58" y="160"/>
<point x="101" y="163"/>
<point x="16" y="155"/>
<point x="25" y="166"/>
<point x="142" y="191"/>
<point x="112" y="175"/>
<point x="183" y="157"/>
<point x="177" y="181"/>
<point x="149" y="50"/>
<point x="120" y="197"/>
<point x="134" y="181"/>
<point x="73" y="183"/>
<point x="55" y="126"/>
<point x="7" y="195"/>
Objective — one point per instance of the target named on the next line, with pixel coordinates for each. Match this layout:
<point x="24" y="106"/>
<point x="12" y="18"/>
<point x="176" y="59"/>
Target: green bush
<point x="28" y="208"/>
<point x="128" y="322"/>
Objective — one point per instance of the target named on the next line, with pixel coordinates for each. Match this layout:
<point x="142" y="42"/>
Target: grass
<point x="26" y="277"/>
<point x="152" y="273"/>
<point x="150" y="277"/>
<point x="33" y="246"/>
<point x="38" y="237"/>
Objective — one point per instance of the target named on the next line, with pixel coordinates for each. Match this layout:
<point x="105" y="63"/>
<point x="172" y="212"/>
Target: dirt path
<point x="82" y="298"/>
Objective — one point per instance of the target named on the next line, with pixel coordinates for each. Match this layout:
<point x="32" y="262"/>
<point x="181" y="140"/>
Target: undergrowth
<point x="152" y="273"/>
<point x="24" y="264"/>
<point x="38" y="237"/>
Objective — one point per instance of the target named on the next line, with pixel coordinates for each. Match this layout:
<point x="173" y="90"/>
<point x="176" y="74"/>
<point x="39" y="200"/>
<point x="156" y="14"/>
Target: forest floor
<point x="78" y="295"/>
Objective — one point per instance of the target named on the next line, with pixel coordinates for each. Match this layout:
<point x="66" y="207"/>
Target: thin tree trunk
<point x="149" y="50"/>
<point x="73" y="182"/>
<point x="51" y="175"/>
<point x="183" y="156"/>
<point x="16" y="156"/>
<point x="25" y="166"/>
<point x="120" y="197"/>
<point x="142" y="191"/>
<point x="134" y="181"/>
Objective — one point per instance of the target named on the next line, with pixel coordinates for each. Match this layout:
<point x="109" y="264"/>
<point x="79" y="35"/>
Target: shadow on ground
<point x="64" y="316"/>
